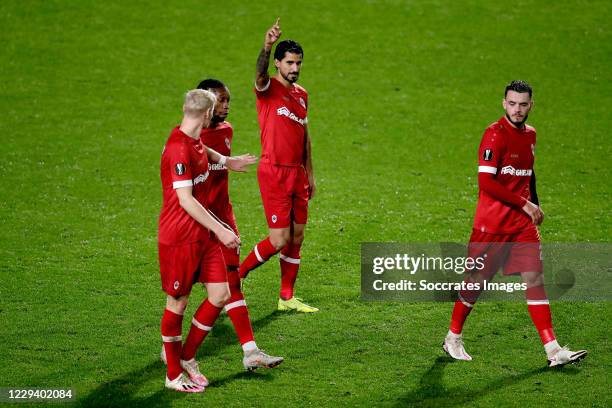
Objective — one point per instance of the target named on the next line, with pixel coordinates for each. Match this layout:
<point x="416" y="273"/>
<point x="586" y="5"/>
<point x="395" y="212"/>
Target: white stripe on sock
<point x="259" y="258"/>
<point x="235" y="304"/>
<point x="289" y="259"/>
<point x="465" y="302"/>
<point x="172" y="339"/>
<point x="538" y="302"/>
<point x="200" y="325"/>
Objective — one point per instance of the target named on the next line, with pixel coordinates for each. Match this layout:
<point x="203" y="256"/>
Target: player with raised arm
<point x="187" y="252"/>
<point x="505" y="231"/>
<point x="218" y="135"/>
<point x="285" y="173"/>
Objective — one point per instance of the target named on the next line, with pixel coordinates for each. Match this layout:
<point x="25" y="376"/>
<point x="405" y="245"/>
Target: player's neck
<point x="191" y="127"/>
<point x="519" y="126"/>
<point x="283" y="81"/>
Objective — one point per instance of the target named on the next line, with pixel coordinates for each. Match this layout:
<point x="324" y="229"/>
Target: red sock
<point x="290" y="264"/>
<point x="171" y="325"/>
<point x="260" y="254"/>
<point x="539" y="310"/>
<point x="463" y="307"/>
<point x="237" y="310"/>
<point x="202" y="323"/>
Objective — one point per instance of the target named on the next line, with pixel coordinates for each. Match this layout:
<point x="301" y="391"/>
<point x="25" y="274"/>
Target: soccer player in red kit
<point x="218" y="135"/>
<point x="285" y="174"/>
<point x="505" y="229"/>
<point x="187" y="251"/>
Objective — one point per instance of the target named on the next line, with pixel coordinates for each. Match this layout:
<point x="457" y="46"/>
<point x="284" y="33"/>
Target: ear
<point x="532" y="104"/>
<point x="504" y="103"/>
<point x="276" y="63"/>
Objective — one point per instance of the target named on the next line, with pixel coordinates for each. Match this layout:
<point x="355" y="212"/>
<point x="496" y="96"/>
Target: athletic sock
<point x="290" y="264"/>
<point x="539" y="310"/>
<point x="460" y="313"/>
<point x="171" y="326"/>
<point x="259" y="255"/>
<point x="237" y="311"/>
<point x="201" y="324"/>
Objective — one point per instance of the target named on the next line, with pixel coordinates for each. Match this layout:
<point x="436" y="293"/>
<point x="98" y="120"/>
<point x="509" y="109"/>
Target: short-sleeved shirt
<point x="282" y="115"/>
<point x="507" y="153"/>
<point x="217" y="198"/>
<point x="184" y="163"/>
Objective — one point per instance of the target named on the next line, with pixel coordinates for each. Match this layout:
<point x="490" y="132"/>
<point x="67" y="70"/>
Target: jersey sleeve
<point x="490" y="152"/>
<point x="265" y="91"/>
<point x="177" y="156"/>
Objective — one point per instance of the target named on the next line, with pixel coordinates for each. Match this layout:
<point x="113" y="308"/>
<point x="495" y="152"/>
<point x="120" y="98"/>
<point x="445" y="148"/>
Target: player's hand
<point x="312" y="185"/>
<point x="272" y="35"/>
<point x="228" y="238"/>
<point x="240" y="163"/>
<point x="536" y="214"/>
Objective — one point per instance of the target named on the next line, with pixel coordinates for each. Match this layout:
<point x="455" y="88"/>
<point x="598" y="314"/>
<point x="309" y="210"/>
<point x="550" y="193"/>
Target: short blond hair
<point x="198" y="101"/>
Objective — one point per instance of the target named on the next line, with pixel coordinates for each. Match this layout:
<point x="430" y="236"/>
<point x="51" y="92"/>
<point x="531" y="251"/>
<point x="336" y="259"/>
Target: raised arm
<point x="263" y="60"/>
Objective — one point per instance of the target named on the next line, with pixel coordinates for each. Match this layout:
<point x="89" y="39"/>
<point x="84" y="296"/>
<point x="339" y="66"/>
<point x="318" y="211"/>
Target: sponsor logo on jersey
<point x="487" y="155"/>
<point x="284" y="111"/>
<point x="179" y="169"/>
<point x="200" y="179"/>
<point x="216" y="167"/>
<point x="516" y="172"/>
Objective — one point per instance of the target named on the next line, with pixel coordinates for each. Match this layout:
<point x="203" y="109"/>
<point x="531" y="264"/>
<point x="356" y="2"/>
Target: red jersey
<point x="282" y="119"/>
<point x="217" y="197"/>
<point x="507" y="153"/>
<point x="183" y="163"/>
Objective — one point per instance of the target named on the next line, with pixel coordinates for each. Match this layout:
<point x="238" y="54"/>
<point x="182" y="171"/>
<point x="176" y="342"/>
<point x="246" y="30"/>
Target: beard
<point x="517" y="124"/>
<point x="291" y="78"/>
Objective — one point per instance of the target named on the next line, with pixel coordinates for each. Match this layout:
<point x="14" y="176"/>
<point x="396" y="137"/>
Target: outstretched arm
<point x="234" y="163"/>
<point x="263" y="60"/>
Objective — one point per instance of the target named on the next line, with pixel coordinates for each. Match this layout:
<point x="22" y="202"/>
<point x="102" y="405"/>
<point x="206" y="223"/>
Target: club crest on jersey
<point x="200" y="179"/>
<point x="516" y="172"/>
<point x="302" y="102"/>
<point x="176" y="285"/>
<point x="179" y="169"/>
<point x="227" y="143"/>
<point x="487" y="155"/>
<point x="284" y="111"/>
<point x="274" y="219"/>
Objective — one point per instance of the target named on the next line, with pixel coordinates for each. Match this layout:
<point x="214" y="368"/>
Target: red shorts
<point x="181" y="266"/>
<point x="284" y="192"/>
<point x="516" y="253"/>
<point x="230" y="256"/>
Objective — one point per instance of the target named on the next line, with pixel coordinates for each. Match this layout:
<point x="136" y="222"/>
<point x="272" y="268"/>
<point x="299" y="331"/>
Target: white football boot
<point x="565" y="356"/>
<point x="256" y="358"/>
<point x="183" y="384"/>
<point x="453" y="346"/>
<point x="192" y="367"/>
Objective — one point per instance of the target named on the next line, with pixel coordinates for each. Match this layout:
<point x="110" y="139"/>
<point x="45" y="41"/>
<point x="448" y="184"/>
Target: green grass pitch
<point x="400" y="93"/>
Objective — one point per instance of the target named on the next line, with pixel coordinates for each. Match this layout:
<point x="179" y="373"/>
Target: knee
<point x="298" y="238"/>
<point x="219" y="298"/>
<point x="279" y="239"/>
<point x="177" y="305"/>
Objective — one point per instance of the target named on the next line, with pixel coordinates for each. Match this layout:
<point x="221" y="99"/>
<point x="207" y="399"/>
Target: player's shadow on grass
<point x="432" y="392"/>
<point x="123" y="391"/>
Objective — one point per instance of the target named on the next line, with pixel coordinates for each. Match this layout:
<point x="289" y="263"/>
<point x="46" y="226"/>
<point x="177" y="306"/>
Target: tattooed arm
<point x="263" y="60"/>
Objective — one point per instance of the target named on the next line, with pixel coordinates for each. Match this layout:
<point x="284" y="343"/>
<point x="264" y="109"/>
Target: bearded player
<point x="505" y="229"/>
<point x="187" y="251"/>
<point x="218" y="136"/>
<point x="285" y="174"/>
